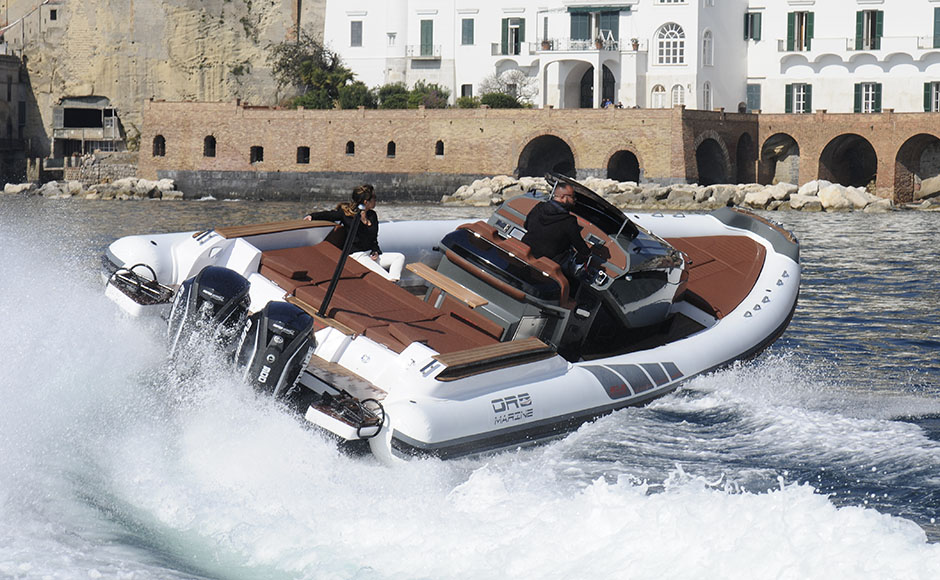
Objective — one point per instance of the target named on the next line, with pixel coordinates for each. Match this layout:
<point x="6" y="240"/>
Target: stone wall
<point x="476" y="142"/>
<point x="132" y="50"/>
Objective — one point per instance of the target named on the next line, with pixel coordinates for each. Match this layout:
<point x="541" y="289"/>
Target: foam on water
<point x="114" y="465"/>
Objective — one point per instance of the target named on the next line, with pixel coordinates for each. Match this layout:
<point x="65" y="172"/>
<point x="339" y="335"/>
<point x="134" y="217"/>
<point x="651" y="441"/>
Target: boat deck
<point x="722" y="270"/>
<point x="365" y="303"/>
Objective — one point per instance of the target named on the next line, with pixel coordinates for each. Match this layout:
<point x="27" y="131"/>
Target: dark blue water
<point x="822" y="455"/>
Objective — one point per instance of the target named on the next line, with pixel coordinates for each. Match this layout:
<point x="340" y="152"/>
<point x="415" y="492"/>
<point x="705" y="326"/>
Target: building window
<point x="869" y="27"/>
<point x="53" y="15"/>
<point x="390" y="149"/>
<point x="355" y="33"/>
<point x="350" y="148"/>
<point x="936" y="27"/>
<point x="257" y="154"/>
<point x="709" y="2"/>
<point x="658" y="97"/>
<point x="707" y="96"/>
<point x="931" y="97"/>
<point x="392" y="36"/>
<point x="753" y="98"/>
<point x="427" y="38"/>
<point x="752" y="26"/>
<point x="466" y="31"/>
<point x="678" y="95"/>
<point x="159" y="146"/>
<point x="868" y="98"/>
<point x="9" y="88"/>
<point x="512" y="35"/>
<point x="708" y="49"/>
<point x="466" y="90"/>
<point x="580" y="26"/>
<point x="208" y="146"/>
<point x="799" y="30"/>
<point x="799" y="98"/>
<point x="439" y="148"/>
<point x="670" y="43"/>
<point x="303" y="155"/>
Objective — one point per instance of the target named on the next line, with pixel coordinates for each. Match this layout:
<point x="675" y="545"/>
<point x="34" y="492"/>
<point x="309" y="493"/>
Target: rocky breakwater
<point x="816" y="195"/>
<point x="121" y="189"/>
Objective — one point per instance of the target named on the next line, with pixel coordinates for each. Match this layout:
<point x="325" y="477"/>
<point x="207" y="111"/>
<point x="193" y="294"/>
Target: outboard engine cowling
<point x="214" y="302"/>
<point x="275" y="346"/>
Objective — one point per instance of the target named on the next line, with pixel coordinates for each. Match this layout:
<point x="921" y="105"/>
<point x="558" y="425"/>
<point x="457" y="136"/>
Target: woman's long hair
<point x="360" y="195"/>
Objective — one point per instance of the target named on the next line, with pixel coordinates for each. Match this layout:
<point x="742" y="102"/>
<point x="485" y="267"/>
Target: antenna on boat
<point x="347" y="246"/>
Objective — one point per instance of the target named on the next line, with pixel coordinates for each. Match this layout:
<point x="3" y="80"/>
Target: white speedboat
<point x="481" y="346"/>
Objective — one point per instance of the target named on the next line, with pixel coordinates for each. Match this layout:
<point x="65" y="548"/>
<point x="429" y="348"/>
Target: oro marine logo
<point x="512" y="408"/>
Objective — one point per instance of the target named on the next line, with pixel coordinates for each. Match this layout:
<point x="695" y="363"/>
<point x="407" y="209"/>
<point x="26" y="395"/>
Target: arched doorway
<point x="917" y="160"/>
<point x="623" y="166"/>
<point x="745" y="157"/>
<point x="710" y="161"/>
<point x="849" y="160"/>
<point x="779" y="160"/>
<point x="608" y="87"/>
<point x="544" y="154"/>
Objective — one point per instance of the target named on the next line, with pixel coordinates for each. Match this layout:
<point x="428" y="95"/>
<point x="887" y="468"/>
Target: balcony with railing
<point x="580" y="45"/>
<point x="423" y="51"/>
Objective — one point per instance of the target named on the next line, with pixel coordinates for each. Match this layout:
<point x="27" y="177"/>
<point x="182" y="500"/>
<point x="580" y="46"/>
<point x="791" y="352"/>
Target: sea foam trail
<point x="112" y="464"/>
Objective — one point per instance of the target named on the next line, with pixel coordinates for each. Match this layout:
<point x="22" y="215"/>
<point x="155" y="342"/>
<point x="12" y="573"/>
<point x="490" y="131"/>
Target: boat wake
<point x="112" y="463"/>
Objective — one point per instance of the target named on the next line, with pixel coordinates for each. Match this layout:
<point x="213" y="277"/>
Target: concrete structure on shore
<point x="228" y="149"/>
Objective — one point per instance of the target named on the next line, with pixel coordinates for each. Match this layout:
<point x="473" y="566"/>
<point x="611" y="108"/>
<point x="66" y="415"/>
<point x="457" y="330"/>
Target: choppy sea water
<point x="819" y="459"/>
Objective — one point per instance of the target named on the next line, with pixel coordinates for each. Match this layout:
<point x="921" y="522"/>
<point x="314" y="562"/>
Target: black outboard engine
<point x="213" y="303"/>
<point x="275" y="346"/>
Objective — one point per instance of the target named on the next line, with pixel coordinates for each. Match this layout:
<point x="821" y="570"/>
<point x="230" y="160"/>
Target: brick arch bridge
<point x="296" y="154"/>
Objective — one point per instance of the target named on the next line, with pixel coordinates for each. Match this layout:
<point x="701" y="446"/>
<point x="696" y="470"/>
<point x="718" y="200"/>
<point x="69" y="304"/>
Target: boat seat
<point x="521" y="251"/>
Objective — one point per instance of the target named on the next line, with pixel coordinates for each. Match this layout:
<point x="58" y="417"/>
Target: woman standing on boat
<point x="365" y="246"/>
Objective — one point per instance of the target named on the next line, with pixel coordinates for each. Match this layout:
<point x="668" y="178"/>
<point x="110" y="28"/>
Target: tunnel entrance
<point x="623" y="166"/>
<point x="710" y="161"/>
<point x="544" y="154"/>
<point x="849" y="160"/>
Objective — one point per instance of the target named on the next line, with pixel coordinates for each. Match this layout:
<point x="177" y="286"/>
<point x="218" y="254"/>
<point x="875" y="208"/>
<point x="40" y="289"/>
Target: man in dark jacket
<point x="552" y="231"/>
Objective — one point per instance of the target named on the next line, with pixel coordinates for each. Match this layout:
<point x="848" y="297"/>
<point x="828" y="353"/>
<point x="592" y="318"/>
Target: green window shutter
<point x="747" y="26"/>
<point x="504" y="38"/>
<point x="858" y="97"/>
<point x="580" y="26"/>
<point x="791" y="30"/>
<point x="879" y="29"/>
<point x="936" y="27"/>
<point x="808" y="101"/>
<point x="427" y="37"/>
<point x="611" y="21"/>
<point x="859" y="29"/>
<point x="755" y="32"/>
<point x="788" y="99"/>
<point x="928" y="104"/>
<point x="810" y="18"/>
<point x="522" y="30"/>
<point x="877" y="98"/>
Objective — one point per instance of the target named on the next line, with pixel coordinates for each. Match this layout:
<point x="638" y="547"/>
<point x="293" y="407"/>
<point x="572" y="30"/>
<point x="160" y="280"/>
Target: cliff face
<point x="131" y="51"/>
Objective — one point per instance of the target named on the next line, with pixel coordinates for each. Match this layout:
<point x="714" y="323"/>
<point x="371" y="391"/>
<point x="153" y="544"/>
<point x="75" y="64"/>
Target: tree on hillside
<point x="311" y="69"/>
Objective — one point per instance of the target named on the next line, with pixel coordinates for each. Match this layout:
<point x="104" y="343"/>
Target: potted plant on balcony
<point x="635" y="43"/>
<point x="546" y="44"/>
<point x="598" y="43"/>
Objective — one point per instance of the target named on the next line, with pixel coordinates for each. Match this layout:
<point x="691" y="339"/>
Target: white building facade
<point x="775" y="56"/>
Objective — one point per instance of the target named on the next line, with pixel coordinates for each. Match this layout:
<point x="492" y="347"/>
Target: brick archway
<point x="849" y="159"/>
<point x="779" y="160"/>
<point x="908" y="168"/>
<point x="546" y="153"/>
<point x="712" y="160"/>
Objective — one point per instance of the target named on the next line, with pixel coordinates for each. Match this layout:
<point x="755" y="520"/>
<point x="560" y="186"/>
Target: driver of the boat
<point x="553" y="232"/>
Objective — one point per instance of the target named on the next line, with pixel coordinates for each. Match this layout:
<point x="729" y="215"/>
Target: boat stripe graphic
<point x="615" y="386"/>
<point x="655" y="371"/>
<point x="672" y="370"/>
<point x="635" y="376"/>
<point x="627" y="380"/>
